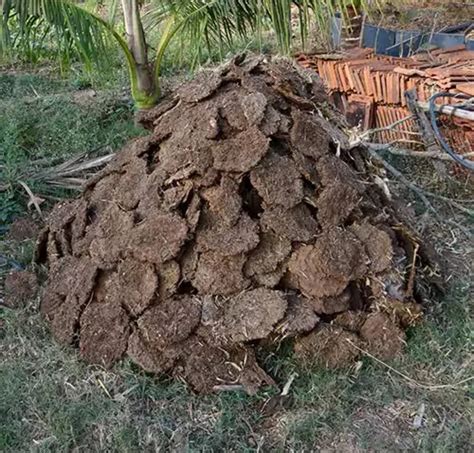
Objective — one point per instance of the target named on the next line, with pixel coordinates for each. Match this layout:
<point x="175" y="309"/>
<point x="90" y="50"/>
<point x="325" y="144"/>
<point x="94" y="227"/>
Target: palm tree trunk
<point x="146" y="90"/>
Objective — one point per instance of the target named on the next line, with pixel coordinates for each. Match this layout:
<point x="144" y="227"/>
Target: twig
<point x="228" y="388"/>
<point x="73" y="166"/>
<point x="410" y="153"/>
<point x="287" y="386"/>
<point x="418" y="190"/>
<point x="408" y="378"/>
<point x="411" y="278"/>
<point x="104" y="388"/>
<point x="34" y="200"/>
<point x="387" y="128"/>
<point x="435" y="21"/>
<point x="424" y="124"/>
<point x="450" y="201"/>
<point x="405" y="181"/>
<point x="369" y="132"/>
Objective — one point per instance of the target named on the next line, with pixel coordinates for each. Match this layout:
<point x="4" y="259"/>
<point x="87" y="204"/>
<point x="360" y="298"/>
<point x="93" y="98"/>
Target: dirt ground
<point x="426" y="16"/>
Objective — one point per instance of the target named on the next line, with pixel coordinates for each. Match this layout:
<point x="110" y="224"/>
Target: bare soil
<point x="22" y="229"/>
<point x="233" y="222"/>
<point x="20" y="288"/>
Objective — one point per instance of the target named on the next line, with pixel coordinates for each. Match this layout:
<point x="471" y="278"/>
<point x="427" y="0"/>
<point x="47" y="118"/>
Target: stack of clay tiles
<point x="376" y="85"/>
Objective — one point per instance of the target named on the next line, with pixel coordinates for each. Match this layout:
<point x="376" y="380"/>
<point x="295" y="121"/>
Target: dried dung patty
<point x="234" y="222"/>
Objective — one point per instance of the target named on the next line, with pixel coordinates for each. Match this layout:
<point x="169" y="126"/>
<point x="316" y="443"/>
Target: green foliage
<point x="280" y="16"/>
<point x="37" y="28"/>
<point x="218" y="24"/>
<point x="212" y="26"/>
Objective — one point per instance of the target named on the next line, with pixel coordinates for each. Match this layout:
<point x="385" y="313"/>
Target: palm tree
<point x="77" y="31"/>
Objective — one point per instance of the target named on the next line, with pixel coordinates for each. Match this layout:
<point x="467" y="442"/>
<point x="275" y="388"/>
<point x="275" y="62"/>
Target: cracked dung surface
<point x="232" y="223"/>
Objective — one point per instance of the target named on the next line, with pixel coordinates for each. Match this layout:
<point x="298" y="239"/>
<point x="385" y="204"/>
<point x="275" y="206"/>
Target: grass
<point x="51" y="401"/>
<point x="45" y="120"/>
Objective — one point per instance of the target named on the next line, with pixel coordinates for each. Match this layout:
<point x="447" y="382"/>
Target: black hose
<point x="444" y="144"/>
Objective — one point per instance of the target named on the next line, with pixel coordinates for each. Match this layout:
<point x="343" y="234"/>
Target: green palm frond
<point x="215" y="24"/>
<point x="280" y="15"/>
<point x="218" y="23"/>
<point x="73" y="30"/>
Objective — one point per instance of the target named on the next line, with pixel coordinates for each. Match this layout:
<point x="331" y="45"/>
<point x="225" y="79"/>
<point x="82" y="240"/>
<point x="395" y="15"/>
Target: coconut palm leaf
<point x="214" y="23"/>
<point x="73" y="30"/>
<point x="280" y="15"/>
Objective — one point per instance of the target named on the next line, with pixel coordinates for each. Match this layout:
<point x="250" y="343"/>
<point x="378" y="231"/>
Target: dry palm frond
<point x="73" y="173"/>
<point x="34" y="200"/>
<point x="69" y="175"/>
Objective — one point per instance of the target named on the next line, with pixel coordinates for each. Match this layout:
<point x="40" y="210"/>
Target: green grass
<point x="45" y="121"/>
<point x="51" y="401"/>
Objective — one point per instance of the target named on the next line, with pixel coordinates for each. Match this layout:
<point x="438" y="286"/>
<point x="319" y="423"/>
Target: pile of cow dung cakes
<point x="238" y="221"/>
